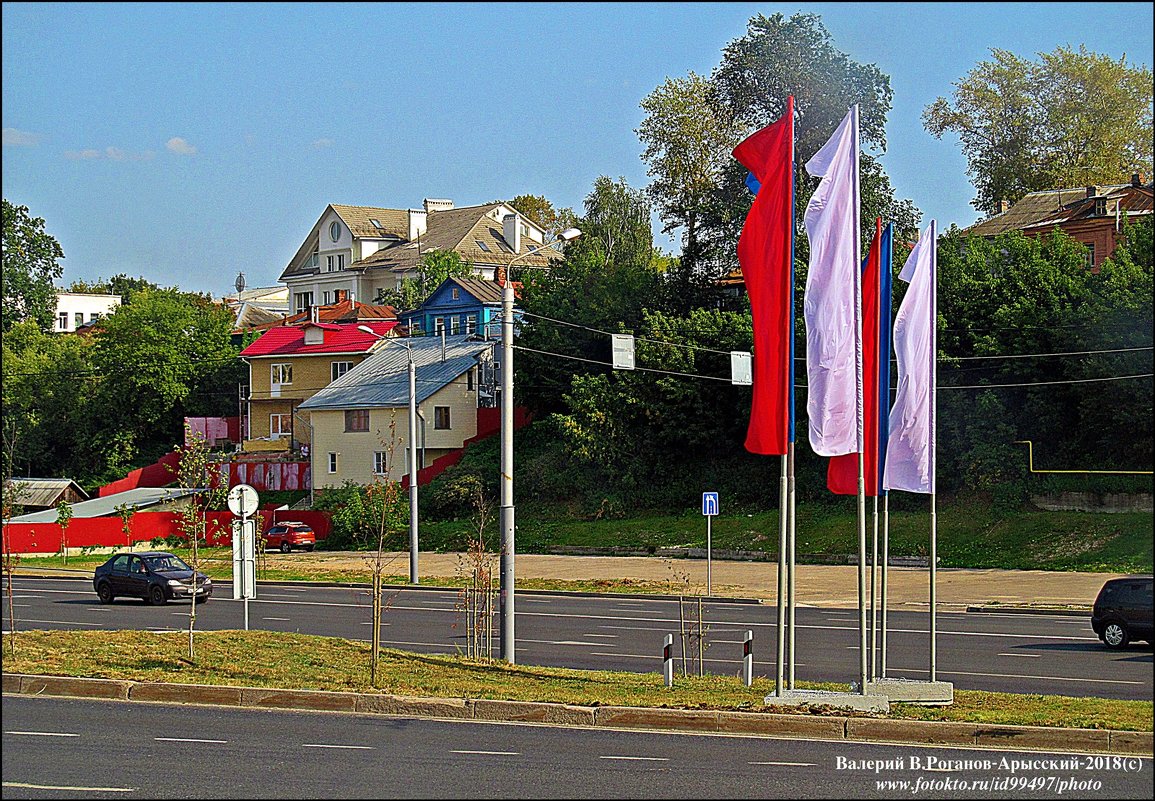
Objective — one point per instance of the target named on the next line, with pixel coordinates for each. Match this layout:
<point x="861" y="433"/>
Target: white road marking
<point x="1029" y="656"/>
<point x="60" y="622"/>
<point x="43" y="733"/>
<point x="363" y="622"/>
<point x="790" y="764"/>
<point x="537" y="600"/>
<point x="36" y="596"/>
<point x="567" y="642"/>
<point x="489" y="753"/>
<point x="281" y="618"/>
<point x="21" y="606"/>
<point x="326" y="745"/>
<point x="601" y="635"/>
<point x="186" y="740"/>
<point x="637" y="758"/>
<point x="26" y="786"/>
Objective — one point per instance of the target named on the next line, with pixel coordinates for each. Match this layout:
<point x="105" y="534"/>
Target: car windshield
<point x="163" y="564"/>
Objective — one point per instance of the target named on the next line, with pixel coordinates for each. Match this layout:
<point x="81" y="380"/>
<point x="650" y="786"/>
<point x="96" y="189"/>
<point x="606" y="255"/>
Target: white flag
<point x="832" y="292"/>
<point x="910" y="457"/>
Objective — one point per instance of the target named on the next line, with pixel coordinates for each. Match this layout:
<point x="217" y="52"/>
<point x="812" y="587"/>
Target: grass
<point x="299" y="661"/>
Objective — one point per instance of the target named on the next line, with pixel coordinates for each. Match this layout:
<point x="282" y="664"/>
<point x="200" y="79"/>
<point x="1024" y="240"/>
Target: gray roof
<point x="382" y="380"/>
<point x="43" y="491"/>
<point x="140" y="498"/>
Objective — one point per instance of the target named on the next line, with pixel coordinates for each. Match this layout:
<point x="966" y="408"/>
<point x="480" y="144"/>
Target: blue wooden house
<point x="459" y="306"/>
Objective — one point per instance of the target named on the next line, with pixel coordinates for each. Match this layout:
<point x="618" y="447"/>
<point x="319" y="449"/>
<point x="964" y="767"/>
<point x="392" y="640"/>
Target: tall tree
<point x="31" y="263"/>
<point x="120" y="284"/>
<point x="538" y="209"/>
<point x="1069" y="119"/>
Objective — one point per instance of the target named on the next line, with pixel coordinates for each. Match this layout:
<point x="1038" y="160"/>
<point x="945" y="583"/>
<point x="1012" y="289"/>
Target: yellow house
<point x="289" y="364"/>
<point x="361" y="421"/>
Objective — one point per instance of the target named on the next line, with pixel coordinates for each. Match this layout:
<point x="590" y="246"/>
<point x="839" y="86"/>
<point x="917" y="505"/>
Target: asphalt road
<point x="66" y="748"/>
<point x="1018" y="653"/>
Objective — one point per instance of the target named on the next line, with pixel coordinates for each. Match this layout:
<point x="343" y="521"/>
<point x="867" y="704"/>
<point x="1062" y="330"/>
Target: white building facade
<point x="74" y="309"/>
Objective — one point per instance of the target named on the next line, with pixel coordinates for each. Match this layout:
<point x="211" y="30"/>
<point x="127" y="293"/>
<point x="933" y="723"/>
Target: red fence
<point x="159" y="474"/>
<point x="84" y="532"/>
<point x="268" y="476"/>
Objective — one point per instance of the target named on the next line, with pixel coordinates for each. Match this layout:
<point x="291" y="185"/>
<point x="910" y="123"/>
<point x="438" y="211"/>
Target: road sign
<point x="709" y="503"/>
<point x="242" y="500"/>
<point x="623" y="351"/>
<point x="741" y="368"/>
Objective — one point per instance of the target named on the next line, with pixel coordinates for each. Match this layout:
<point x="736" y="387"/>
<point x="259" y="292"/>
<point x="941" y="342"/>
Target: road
<point x="1055" y="655"/>
<point x="57" y="748"/>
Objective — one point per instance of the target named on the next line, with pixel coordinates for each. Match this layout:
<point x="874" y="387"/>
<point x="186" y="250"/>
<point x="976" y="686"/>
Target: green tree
<point x="31" y="264"/>
<point x="436" y="266"/>
<point x="64" y="519"/>
<point x="1069" y="119"/>
<point x="120" y="284"/>
<point x="538" y="209"/>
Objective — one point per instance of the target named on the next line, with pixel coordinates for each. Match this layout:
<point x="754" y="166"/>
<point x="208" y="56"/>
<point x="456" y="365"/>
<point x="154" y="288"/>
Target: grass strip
<point x="302" y="661"/>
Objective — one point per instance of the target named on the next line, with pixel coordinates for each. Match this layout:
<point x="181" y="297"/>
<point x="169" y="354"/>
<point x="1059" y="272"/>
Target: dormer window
<point x="1100" y="207"/>
<point x="314" y="335"/>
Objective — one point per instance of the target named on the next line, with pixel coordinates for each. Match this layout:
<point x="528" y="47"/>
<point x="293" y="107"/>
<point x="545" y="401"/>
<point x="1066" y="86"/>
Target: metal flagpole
<point x="885" y="568"/>
<point x="781" y="622"/>
<point x="874" y="592"/>
<point x="792" y="572"/>
<point x="933" y="456"/>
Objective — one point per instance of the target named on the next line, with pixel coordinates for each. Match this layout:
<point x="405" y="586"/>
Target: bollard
<point x="668" y="660"/>
<point x="748" y="659"/>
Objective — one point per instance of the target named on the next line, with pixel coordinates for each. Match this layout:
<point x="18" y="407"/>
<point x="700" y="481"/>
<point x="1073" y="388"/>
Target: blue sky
<point x="187" y="142"/>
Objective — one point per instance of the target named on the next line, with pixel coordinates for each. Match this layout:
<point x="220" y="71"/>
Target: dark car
<point x="290" y="534"/>
<point x="1122" y="612"/>
<point x="155" y="576"/>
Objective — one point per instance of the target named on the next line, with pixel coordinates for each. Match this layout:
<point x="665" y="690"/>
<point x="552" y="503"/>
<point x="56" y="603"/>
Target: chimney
<point x="435" y="204"/>
<point x="1136" y="179"/>
<point x="417" y="223"/>
<point x="1092" y="191"/>
<point x="511" y="232"/>
<point x="1004" y="206"/>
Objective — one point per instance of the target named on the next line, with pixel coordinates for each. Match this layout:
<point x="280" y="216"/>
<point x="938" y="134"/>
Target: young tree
<point x="31" y="264"/>
<point x="126" y="512"/>
<point x="63" y="519"/>
<point x="1069" y="119"/>
<point x="11" y="497"/>
<point x="386" y="495"/>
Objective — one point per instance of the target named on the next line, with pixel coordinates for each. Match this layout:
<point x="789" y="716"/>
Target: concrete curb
<point x="1032" y="610"/>
<point x="767" y="724"/>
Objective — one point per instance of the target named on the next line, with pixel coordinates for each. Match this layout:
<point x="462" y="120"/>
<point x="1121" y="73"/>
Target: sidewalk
<point x="817" y="585"/>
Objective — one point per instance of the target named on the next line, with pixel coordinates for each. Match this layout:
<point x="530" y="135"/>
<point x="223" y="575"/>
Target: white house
<point x="353" y="251"/>
<point x="74" y="309"/>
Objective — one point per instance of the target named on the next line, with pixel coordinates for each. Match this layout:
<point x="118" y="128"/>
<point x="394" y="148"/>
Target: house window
<point x="79" y="319"/>
<point x="280" y="425"/>
<point x="415" y="327"/>
<point x="482" y="245"/>
<point x="469" y="380"/>
<point x="441" y="418"/>
<point x="339" y="369"/>
<point x="304" y="300"/>
<point x="328" y="264"/>
<point x="471" y="324"/>
<point x="341" y="295"/>
<point x="357" y="420"/>
<point x="340" y="261"/>
<point x="438" y="325"/>
<point x="454" y="326"/>
<point x="455" y="293"/>
<point x="62" y="321"/>
<point x="380" y="463"/>
<point x="327" y="298"/>
<point x="332" y="462"/>
<point x="92" y="318"/>
<point x="1100" y="207"/>
<point x="1090" y="256"/>
<point x="281" y="374"/>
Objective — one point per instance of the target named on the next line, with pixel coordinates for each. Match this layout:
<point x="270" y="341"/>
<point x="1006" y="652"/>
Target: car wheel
<point x="1115" y="635"/>
<point x="202" y="599"/>
<point x="156" y="595"/>
<point x="104" y="593"/>
<point x="286" y="547"/>
<point x="309" y="548"/>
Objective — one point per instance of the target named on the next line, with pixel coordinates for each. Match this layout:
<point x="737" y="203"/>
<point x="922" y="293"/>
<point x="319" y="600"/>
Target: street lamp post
<point x="413" y="577"/>
<point x="508" y="636"/>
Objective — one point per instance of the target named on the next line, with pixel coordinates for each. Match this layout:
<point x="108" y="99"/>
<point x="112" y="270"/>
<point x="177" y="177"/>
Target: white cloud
<point x="114" y="153"/>
<point x="15" y="138"/>
<point x="90" y="153"/>
<point x="110" y="153"/>
<point x="324" y="141"/>
<point x="180" y="147"/>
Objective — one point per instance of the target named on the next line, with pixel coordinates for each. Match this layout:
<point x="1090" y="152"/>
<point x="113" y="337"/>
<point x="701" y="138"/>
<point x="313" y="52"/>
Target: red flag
<point x="765" y="252"/>
<point x="842" y="473"/>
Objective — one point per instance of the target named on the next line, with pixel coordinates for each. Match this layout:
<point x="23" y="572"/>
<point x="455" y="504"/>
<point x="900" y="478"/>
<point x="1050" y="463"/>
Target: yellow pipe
<point x="1031" y="465"/>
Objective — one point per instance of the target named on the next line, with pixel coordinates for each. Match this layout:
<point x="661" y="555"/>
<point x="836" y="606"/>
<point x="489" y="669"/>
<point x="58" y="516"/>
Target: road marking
<point x="59" y="622"/>
<point x="21" y="606"/>
<point x="1029" y="656"/>
<point x="282" y="618"/>
<point x="366" y="622"/>
<point x="326" y="745"/>
<point x="43" y="733"/>
<point x="489" y="753"/>
<point x="538" y="600"/>
<point x="601" y="635"/>
<point x="26" y="786"/>
<point x="637" y="758"/>
<point x="1017" y="676"/>
<point x="567" y="642"/>
<point x="186" y="740"/>
<point x="37" y="596"/>
<point x="656" y="656"/>
<point x="789" y="764"/>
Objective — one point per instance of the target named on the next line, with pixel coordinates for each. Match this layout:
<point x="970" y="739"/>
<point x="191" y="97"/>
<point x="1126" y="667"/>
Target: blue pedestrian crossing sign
<point x="709" y="503"/>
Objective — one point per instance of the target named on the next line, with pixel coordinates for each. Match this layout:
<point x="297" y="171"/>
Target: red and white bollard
<point x="668" y="660"/>
<point x="748" y="659"/>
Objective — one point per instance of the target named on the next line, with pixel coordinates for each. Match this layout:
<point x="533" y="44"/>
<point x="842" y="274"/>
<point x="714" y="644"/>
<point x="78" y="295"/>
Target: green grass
<point x="299" y="661"/>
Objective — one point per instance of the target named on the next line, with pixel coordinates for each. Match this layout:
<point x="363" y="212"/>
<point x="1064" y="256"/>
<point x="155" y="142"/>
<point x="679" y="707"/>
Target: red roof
<point x="289" y="340"/>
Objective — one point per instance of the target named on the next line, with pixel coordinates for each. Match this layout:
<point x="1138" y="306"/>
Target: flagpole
<point x="790" y="488"/>
<point x="791" y="568"/>
<point x="781" y="622"/>
<point x="874" y="590"/>
<point x="857" y="239"/>
<point x="933" y="456"/>
<point x="885" y="568"/>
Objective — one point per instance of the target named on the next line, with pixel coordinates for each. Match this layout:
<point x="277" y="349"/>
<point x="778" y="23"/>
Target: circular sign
<point x="242" y="500"/>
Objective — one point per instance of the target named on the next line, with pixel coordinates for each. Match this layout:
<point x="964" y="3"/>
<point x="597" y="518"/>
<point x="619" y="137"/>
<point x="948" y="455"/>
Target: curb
<point x="767" y="724"/>
<point x="1032" y="610"/>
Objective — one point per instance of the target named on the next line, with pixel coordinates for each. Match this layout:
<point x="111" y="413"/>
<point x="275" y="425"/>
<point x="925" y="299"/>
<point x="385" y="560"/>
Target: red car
<point x="290" y="534"/>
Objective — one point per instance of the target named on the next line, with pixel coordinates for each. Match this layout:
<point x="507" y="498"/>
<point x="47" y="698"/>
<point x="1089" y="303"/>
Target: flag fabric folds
<point x="842" y="471"/>
<point x="830" y="309"/>
<point x="765" y="253"/>
<point x="910" y="456"/>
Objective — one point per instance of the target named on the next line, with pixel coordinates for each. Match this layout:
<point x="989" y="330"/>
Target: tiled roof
<point x="289" y="340"/>
<point x="382" y="380"/>
<point x="345" y="311"/>
<point x="394" y="222"/>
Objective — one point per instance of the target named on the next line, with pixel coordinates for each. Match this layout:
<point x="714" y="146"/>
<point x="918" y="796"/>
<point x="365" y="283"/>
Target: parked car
<point x="155" y="576"/>
<point x="289" y="534"/>
<point x="1122" y="612"/>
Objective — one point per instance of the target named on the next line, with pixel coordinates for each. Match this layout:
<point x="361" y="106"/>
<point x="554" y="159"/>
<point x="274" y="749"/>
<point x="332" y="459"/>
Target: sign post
<point x="709" y="509"/>
<point x="242" y="501"/>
